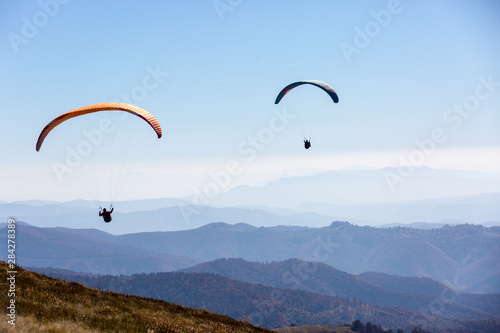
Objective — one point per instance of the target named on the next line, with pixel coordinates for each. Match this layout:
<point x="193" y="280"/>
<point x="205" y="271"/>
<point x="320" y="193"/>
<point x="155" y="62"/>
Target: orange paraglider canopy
<point x="137" y="111"/>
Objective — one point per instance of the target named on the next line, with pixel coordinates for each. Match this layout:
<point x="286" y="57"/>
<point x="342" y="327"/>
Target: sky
<point x="418" y="83"/>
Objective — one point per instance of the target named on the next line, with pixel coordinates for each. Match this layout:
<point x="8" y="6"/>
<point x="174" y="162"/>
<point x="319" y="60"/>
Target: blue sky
<point x="399" y="67"/>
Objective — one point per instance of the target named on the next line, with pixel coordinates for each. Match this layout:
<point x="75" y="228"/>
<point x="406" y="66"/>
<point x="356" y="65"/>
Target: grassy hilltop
<point x="49" y="305"/>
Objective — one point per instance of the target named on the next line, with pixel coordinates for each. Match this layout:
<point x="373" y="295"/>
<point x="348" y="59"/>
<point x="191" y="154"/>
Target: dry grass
<point x="314" y="329"/>
<point x="49" y="305"/>
<point x="30" y="324"/>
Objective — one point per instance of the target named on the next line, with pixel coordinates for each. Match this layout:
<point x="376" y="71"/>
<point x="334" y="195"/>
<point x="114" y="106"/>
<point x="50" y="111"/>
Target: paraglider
<point x="137" y="111"/>
<point x="106" y="214"/>
<point x="307" y="144"/>
<point x="134" y="110"/>
<point x="322" y="85"/>
<point x="329" y="90"/>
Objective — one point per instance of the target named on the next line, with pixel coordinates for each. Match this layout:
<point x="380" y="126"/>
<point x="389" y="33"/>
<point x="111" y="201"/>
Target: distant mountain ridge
<point x="172" y="218"/>
<point x="464" y="257"/>
<point x="372" y="288"/>
<point x="315" y="200"/>
<point x="436" y="253"/>
<point x="362" y="187"/>
<point x="87" y="251"/>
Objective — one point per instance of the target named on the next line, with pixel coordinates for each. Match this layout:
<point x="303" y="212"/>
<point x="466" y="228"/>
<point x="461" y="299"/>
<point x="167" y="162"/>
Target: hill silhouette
<point x="88" y="250"/>
<point x="372" y="288"/>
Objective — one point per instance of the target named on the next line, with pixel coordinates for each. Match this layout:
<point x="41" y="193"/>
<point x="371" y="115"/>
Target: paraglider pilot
<point x="307" y="143"/>
<point x="106" y="215"/>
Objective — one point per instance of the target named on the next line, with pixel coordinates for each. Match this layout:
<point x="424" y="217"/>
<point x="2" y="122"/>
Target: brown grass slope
<point x="314" y="329"/>
<point x="44" y="304"/>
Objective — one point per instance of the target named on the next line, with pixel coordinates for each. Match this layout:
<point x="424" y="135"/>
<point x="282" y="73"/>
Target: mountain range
<point x="360" y="187"/>
<point x="370" y="287"/>
<point x="362" y="197"/>
<point x="319" y="295"/>
<point x="175" y="215"/>
<point x="464" y="257"/>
